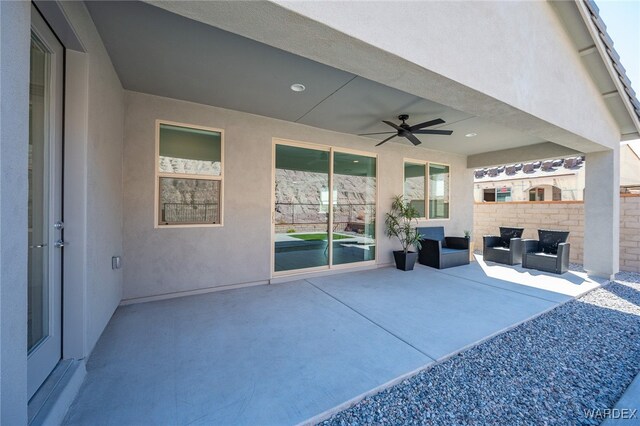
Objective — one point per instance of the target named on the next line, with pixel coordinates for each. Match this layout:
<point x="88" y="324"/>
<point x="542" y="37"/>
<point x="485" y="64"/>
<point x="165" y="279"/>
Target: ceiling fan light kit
<point x="406" y="131"/>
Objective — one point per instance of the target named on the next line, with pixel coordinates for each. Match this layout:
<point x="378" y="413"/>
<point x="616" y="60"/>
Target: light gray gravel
<point x="579" y="356"/>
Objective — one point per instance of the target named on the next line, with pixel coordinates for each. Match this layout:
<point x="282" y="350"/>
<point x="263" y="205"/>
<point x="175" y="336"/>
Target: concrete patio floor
<point x="285" y="353"/>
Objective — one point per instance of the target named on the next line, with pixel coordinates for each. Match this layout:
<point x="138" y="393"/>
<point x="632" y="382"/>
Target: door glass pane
<point x="301" y="208"/>
<point x="414" y="186"/>
<point x="354" y="208"/>
<point x="438" y="191"/>
<point x="38" y="196"/>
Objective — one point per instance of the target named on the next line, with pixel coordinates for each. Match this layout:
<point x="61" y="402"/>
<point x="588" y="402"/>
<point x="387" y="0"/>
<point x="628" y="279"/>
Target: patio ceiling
<point x="160" y="53"/>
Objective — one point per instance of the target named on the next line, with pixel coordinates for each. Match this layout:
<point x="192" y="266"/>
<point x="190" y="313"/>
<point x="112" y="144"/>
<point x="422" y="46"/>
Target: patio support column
<point x="602" y="213"/>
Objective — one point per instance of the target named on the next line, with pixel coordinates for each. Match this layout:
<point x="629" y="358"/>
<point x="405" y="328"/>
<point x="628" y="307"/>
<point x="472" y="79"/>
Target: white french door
<point x="44" y="333"/>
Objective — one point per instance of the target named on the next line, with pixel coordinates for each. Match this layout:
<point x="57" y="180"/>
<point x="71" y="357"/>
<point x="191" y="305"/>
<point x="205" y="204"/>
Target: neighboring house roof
<point x="558" y="167"/>
<point x="629" y="168"/>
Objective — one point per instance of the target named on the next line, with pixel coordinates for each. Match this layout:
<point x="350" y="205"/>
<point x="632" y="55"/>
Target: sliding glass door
<point x="301" y="208"/>
<point x="354" y="209"/>
<point x="324" y="209"/>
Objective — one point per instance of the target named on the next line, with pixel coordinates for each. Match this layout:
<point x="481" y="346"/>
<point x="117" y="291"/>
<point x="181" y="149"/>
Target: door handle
<point x="60" y="244"/>
<point x="38" y="246"/>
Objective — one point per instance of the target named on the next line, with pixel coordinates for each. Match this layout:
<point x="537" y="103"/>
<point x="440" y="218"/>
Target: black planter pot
<point x="405" y="262"/>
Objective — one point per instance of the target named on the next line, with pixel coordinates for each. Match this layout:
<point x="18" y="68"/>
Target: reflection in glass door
<point x="317" y="190"/>
<point x="44" y="204"/>
<point x="38" y="234"/>
<point x="354" y="208"/>
<point x="301" y="208"/>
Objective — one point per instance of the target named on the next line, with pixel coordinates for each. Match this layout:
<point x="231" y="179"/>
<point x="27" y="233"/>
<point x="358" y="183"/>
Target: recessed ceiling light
<point x="470" y="135"/>
<point x="297" y="87"/>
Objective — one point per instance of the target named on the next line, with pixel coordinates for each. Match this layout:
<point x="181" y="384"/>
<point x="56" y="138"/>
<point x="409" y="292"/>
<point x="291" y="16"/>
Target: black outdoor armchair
<point x="506" y="248"/>
<point x="549" y="253"/>
<point x="442" y="252"/>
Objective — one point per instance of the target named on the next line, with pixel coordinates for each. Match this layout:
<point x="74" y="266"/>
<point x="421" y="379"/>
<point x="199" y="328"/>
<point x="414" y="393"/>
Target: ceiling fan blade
<point x="395" y="126"/>
<point x="427" y="124"/>
<point x="433" y="132"/>
<point x="387" y="139"/>
<point x="412" y="138"/>
<point x="379" y="133"/>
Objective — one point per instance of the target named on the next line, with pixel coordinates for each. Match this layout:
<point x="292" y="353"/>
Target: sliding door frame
<point x="331" y="150"/>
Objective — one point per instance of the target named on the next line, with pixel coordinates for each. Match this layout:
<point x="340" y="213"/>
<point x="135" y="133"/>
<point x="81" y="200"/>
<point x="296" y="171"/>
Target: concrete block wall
<point x="630" y="232"/>
<point x="561" y="215"/>
<point x="565" y="215"/>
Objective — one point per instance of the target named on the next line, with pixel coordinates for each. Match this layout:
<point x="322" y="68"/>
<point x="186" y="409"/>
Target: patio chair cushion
<point x="549" y="240"/>
<point x="506" y="234"/>
<point x="446" y="250"/>
<point x="432" y="233"/>
<point x="543" y="254"/>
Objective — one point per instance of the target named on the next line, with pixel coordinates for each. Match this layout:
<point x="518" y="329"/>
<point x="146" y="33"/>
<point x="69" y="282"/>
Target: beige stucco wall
<point x="561" y="215"/>
<point x="99" y="178"/>
<point x="162" y="261"/>
<point x="14" y="134"/>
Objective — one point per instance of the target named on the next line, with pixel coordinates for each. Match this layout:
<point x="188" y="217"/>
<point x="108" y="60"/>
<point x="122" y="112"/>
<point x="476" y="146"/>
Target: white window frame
<point x="427" y="186"/>
<point x="159" y="174"/>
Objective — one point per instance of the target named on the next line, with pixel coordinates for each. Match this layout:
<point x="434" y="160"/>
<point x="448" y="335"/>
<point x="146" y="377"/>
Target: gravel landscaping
<point x="580" y="356"/>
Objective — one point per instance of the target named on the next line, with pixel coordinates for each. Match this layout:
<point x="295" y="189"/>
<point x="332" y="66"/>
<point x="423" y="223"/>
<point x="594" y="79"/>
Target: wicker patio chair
<point x="549" y="253"/>
<point x="506" y="248"/>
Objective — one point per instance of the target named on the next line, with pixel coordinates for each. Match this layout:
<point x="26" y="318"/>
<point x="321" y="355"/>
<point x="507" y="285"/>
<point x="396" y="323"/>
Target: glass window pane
<point x="438" y="191"/>
<point x="301" y="208"/>
<point x="354" y="207"/>
<point x="503" y="194"/>
<point x="189" y="151"/>
<point x="490" y="195"/>
<point x="414" y="190"/>
<point x="189" y="201"/>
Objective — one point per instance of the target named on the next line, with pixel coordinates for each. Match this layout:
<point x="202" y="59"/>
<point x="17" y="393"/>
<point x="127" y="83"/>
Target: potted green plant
<point x="400" y="224"/>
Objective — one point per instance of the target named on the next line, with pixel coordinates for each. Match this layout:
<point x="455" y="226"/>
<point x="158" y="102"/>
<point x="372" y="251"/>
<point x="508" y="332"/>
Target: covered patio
<point x="224" y="174"/>
<point x="287" y="353"/>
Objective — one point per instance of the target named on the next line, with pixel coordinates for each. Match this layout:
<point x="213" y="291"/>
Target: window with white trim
<point x="438" y="191"/>
<point x="426" y="187"/>
<point x="189" y="175"/>
<point x="499" y="195"/>
<point x="415" y="186"/>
